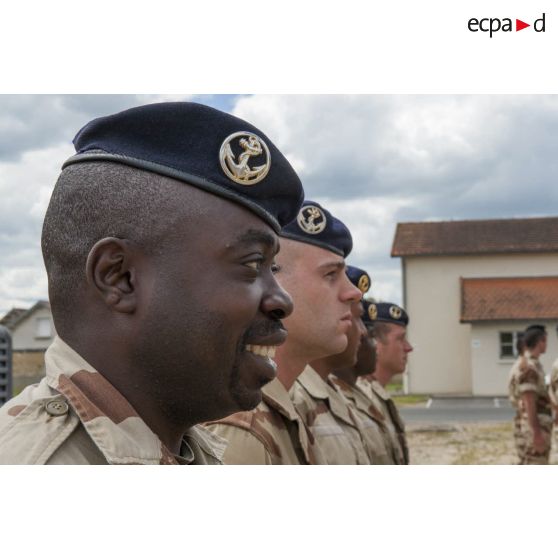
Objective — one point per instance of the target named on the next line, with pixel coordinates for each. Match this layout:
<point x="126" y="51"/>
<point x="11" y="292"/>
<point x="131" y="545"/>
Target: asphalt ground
<point x="448" y="410"/>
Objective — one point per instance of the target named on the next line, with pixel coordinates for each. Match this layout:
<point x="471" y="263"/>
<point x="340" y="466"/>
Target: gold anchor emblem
<point x="363" y="283"/>
<point x="238" y="169"/>
<point x="395" y="312"/>
<point x="311" y="219"/>
<point x="372" y="312"/>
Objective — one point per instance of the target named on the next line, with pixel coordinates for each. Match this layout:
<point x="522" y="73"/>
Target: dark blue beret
<point x="316" y="225"/>
<point x="385" y="312"/>
<point x="202" y="146"/>
<point x="359" y="278"/>
<point x="366" y="315"/>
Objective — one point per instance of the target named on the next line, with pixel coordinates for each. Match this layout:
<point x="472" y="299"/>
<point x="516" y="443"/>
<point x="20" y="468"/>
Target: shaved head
<point x="92" y="201"/>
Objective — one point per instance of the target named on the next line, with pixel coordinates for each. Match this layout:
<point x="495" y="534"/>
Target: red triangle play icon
<point x="519" y="25"/>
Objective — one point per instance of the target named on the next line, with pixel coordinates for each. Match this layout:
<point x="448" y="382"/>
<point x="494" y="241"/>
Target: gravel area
<point x="465" y="444"/>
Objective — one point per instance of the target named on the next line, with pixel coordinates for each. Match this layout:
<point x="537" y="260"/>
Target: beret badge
<point x="372" y="312"/>
<point x="395" y="312"/>
<point x="311" y="219"/>
<point x="363" y="283"/>
<point x="235" y="154"/>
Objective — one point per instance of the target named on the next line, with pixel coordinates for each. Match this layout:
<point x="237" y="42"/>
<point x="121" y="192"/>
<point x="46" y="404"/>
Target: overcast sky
<point x="372" y="160"/>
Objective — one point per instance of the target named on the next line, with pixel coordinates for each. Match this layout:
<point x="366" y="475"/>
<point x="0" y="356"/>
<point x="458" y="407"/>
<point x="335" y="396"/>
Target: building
<point x="469" y="287"/>
<point x="32" y="331"/>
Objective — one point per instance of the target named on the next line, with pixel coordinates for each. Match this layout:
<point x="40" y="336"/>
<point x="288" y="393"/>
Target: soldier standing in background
<point x="529" y="395"/>
<point x="553" y="389"/>
<point x="392" y="348"/>
<point x="311" y="267"/>
<point x="360" y="359"/>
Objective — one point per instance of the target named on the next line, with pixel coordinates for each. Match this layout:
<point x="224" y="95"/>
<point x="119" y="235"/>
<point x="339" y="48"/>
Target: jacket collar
<point x="112" y="423"/>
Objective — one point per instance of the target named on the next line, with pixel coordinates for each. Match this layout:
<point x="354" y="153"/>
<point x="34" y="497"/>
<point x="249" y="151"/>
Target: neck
<point x="348" y="375"/>
<point x="381" y="375"/>
<point x="535" y="352"/>
<point x="115" y="366"/>
<point x="289" y="365"/>
<point x="322" y="368"/>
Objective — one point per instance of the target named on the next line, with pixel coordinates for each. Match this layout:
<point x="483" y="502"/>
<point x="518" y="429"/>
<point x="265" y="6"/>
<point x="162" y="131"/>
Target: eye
<point x="331" y="275"/>
<point x="254" y="264"/>
<point x="275" y="268"/>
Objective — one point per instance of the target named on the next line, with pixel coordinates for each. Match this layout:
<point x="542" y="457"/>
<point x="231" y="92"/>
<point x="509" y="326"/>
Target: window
<point x="508" y="342"/>
<point x="44" y="329"/>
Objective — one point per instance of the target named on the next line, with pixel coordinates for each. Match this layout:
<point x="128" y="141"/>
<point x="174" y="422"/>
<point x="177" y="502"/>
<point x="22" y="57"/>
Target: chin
<point x="336" y="345"/>
<point x="246" y="399"/>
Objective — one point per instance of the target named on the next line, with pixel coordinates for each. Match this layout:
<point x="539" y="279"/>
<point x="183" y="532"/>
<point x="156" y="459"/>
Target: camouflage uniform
<point x="553" y="387"/>
<point x="395" y="425"/>
<point x="326" y="414"/>
<point x="527" y="375"/>
<point x="369" y="420"/>
<point x="271" y="434"/>
<point x="75" y="416"/>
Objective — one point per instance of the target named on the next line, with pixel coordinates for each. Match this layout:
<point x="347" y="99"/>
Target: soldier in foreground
<point x="392" y="348"/>
<point x="360" y="359"/>
<point x="159" y="243"/>
<point x="312" y="269"/>
<point x="529" y="395"/>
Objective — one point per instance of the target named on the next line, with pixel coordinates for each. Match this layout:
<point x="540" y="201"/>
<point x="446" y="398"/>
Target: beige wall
<point x="24" y="337"/>
<point x="441" y="362"/>
<point x="490" y="372"/>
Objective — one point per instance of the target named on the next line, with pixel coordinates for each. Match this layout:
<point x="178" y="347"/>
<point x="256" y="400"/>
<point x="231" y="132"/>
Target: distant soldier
<point x="392" y="348"/>
<point x="357" y="360"/>
<point x="528" y="394"/>
<point x="311" y="267"/>
<point x="553" y="388"/>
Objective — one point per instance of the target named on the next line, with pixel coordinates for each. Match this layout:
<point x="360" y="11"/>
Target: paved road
<point x="447" y="410"/>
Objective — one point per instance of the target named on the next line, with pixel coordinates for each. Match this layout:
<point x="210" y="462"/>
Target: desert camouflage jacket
<point x="271" y="434"/>
<point x="527" y="375"/>
<point x="553" y="387"/>
<point x="75" y="416"/>
<point x="369" y="420"/>
<point x="396" y="427"/>
<point x="327" y="415"/>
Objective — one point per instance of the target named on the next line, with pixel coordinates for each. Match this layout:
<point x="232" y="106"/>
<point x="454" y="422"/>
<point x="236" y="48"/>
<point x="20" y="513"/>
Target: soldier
<point x="392" y="348"/>
<point x="322" y="408"/>
<point x="528" y="394"/>
<point x="553" y="388"/>
<point x="359" y="359"/>
<point x="159" y="243"/>
<point x="311" y="268"/>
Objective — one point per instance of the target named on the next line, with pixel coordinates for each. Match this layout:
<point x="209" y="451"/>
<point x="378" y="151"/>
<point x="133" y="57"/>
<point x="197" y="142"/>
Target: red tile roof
<point x="509" y="298"/>
<point x="492" y="236"/>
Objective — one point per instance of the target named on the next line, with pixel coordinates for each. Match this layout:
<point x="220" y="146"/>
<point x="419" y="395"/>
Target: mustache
<point x="260" y="329"/>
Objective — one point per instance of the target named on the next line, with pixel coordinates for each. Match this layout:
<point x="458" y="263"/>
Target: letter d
<point x="542" y="21"/>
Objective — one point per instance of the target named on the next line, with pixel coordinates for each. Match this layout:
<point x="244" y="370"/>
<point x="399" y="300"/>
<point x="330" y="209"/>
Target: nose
<point x="408" y="347"/>
<point x="276" y="301"/>
<point x="349" y="293"/>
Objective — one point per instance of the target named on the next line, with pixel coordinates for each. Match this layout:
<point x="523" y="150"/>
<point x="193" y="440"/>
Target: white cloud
<point x="372" y="160"/>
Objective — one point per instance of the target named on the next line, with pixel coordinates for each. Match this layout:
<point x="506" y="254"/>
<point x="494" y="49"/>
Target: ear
<point x="111" y="271"/>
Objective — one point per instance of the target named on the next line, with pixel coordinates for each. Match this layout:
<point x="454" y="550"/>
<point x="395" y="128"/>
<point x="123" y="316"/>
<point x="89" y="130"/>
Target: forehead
<point x="210" y="218"/>
<point x="318" y="259"/>
<point x="396" y="330"/>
